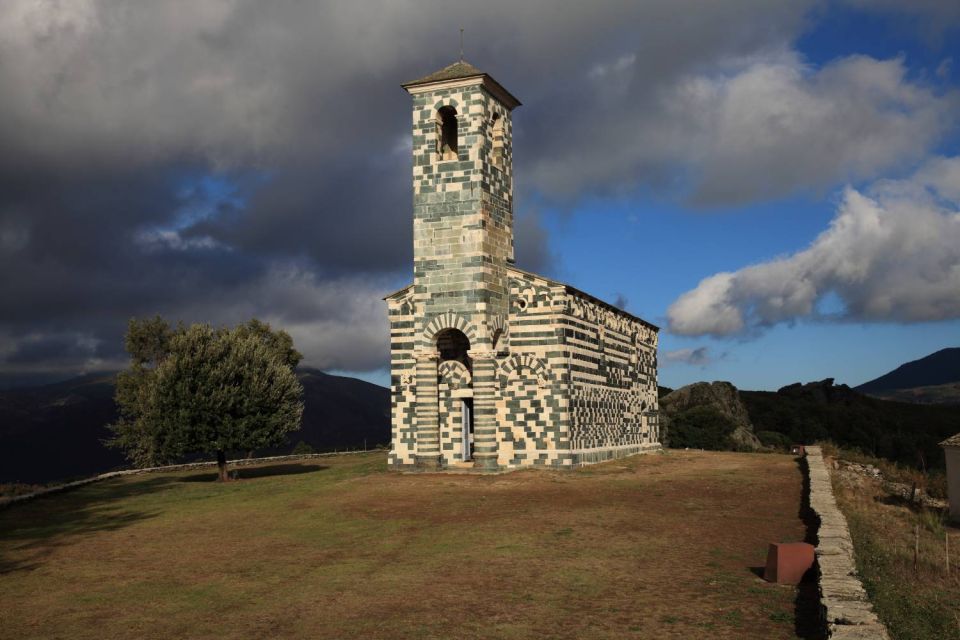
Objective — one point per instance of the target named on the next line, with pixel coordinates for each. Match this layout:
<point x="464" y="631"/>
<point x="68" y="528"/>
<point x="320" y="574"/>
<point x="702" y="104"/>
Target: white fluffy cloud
<point x="754" y="127"/>
<point x="891" y="254"/>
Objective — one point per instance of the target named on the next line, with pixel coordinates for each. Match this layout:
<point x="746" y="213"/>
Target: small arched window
<point x="447" y="133"/>
<point x="496" y="151"/>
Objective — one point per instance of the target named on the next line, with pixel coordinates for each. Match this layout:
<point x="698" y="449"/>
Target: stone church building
<point x="493" y="367"/>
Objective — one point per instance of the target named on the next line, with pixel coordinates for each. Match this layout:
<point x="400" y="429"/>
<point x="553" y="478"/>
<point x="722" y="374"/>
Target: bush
<point x="302" y="448"/>
<point x="774" y="439"/>
<point x="700" y="427"/>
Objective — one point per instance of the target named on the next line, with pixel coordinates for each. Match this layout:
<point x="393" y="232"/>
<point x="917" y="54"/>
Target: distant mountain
<point x="55" y="431"/>
<point x="934" y="394"/>
<point x="934" y="379"/>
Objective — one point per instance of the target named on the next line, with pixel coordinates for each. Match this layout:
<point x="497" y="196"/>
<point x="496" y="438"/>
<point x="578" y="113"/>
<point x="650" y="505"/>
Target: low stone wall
<point x="242" y="462"/>
<point x="847" y="609"/>
<point x="582" y="457"/>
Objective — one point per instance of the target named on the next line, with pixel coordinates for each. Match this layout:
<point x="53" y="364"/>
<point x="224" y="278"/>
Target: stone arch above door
<point x="518" y="365"/>
<point x="448" y="320"/>
<point x="455" y="374"/>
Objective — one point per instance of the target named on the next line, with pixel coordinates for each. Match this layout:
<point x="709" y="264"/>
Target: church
<point x="493" y="367"/>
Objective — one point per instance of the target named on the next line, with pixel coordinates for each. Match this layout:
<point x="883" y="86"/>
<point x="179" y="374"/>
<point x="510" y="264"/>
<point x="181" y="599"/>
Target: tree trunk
<point x="222" y="465"/>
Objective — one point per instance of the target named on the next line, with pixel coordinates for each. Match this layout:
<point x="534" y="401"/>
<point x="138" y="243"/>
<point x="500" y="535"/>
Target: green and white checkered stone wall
<point x="573" y="379"/>
<point x="462" y="210"/>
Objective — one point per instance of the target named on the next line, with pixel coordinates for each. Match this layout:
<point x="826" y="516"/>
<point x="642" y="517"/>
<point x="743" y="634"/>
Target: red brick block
<point x="788" y="561"/>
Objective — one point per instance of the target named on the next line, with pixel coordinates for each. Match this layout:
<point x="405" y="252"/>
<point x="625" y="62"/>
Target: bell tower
<point x="462" y="244"/>
<point x="462" y="196"/>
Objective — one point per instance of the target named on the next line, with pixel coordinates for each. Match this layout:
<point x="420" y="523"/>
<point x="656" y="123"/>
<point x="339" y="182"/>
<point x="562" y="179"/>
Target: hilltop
<point x="340" y="548"/>
<point x="721" y="417"/>
<point x="934" y="379"/>
<point x="886" y="417"/>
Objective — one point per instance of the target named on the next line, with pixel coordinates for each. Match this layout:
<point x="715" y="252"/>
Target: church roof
<point x="952" y="441"/>
<point x="461" y="70"/>
<point x="455" y="71"/>
<point x="583" y="294"/>
<point x="397" y="293"/>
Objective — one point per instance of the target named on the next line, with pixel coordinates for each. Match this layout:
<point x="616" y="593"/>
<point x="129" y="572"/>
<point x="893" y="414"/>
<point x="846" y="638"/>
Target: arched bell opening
<point x="447" y="133"/>
<point x="453" y="344"/>
<point x="496" y="142"/>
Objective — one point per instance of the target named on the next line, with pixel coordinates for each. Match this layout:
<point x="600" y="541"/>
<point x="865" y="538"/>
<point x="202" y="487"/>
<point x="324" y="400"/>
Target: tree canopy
<point x="199" y="389"/>
<point x="700" y="427"/>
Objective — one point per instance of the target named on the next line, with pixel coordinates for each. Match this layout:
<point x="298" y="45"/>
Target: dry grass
<point x="919" y="601"/>
<point x="14" y="489"/>
<point x="658" y="545"/>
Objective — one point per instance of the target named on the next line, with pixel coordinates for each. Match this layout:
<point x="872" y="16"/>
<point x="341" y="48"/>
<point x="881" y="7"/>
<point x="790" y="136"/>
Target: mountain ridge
<point x="938" y="368"/>
<point x="55" y="431"/>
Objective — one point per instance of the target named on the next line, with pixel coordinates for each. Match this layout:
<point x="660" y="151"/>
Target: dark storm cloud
<point x="113" y="113"/>
<point x="63" y="348"/>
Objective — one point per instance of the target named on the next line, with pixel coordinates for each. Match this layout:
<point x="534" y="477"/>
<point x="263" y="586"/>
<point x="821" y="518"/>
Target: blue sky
<point x="649" y="249"/>
<point x="775" y="184"/>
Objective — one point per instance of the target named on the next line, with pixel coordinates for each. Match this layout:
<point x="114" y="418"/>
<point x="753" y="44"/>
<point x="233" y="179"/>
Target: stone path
<point x="848" y="611"/>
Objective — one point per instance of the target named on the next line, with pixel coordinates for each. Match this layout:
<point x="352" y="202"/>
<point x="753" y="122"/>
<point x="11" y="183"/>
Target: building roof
<point x="397" y="292"/>
<point x="462" y="70"/>
<point x="455" y="71"/>
<point x="584" y="294"/>
<point x="952" y="441"/>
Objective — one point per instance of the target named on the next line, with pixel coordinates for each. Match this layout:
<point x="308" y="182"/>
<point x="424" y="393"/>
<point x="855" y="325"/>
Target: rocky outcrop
<point x="721" y="396"/>
<point x="822" y="392"/>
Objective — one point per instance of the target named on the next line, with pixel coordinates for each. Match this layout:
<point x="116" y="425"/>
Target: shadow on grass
<point x="250" y="473"/>
<point x="808" y="615"/>
<point x="36" y="529"/>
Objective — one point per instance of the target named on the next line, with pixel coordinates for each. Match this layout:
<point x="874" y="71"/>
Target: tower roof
<point x="455" y="71"/>
<point x="462" y="70"/>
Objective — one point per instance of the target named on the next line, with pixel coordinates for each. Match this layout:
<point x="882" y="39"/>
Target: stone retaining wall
<point x="242" y="462"/>
<point x="846" y="607"/>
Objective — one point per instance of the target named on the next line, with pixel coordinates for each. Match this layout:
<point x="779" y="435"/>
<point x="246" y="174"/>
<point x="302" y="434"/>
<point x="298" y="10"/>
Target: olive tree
<point x="199" y="389"/>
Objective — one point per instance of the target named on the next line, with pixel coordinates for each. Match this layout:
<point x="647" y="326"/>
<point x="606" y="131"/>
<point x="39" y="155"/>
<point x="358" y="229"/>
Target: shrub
<point x="302" y="448"/>
<point x="774" y="439"/>
<point x="702" y="427"/>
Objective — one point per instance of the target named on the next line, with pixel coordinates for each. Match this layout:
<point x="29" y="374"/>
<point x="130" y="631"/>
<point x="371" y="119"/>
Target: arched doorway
<point x="456" y="401"/>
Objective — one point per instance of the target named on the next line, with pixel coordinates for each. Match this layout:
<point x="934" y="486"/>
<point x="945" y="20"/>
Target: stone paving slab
<point x="847" y="609"/>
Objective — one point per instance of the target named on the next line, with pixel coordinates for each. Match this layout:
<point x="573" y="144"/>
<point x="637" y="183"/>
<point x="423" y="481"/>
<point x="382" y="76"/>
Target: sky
<point x="775" y="184"/>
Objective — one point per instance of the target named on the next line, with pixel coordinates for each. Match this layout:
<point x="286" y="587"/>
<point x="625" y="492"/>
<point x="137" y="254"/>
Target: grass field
<point x="652" y="546"/>
<point x="916" y="601"/>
